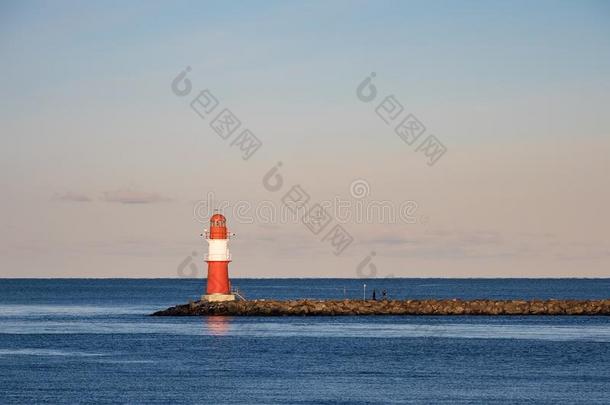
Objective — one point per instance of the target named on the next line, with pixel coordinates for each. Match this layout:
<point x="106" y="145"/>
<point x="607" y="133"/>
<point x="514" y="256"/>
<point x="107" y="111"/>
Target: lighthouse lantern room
<point x="218" y="258"/>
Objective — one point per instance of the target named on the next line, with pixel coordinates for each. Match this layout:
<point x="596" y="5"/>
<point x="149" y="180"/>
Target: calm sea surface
<point x="81" y="340"/>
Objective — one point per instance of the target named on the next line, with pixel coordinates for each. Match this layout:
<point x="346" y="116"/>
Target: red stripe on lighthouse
<point x="218" y="278"/>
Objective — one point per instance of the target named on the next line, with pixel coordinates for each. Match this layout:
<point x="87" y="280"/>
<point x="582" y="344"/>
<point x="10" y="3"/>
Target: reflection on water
<point x="218" y="325"/>
<point x="560" y="328"/>
<point x="37" y="311"/>
<point x="44" y="352"/>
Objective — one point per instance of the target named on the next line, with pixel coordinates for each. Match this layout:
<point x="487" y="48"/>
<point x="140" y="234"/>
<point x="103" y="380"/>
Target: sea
<point x="94" y="341"/>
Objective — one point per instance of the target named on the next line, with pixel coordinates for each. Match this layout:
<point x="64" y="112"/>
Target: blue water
<point x="69" y="341"/>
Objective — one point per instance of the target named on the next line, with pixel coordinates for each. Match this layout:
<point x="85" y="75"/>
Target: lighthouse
<point x="218" y="258"/>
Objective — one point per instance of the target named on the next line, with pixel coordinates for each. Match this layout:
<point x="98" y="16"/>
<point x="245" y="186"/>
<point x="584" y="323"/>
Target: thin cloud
<point x="70" y="196"/>
<point x="448" y="244"/>
<point x="133" y="197"/>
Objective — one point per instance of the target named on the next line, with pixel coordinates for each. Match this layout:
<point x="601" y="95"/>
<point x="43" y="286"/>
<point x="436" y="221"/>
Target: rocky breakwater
<point x="390" y="307"/>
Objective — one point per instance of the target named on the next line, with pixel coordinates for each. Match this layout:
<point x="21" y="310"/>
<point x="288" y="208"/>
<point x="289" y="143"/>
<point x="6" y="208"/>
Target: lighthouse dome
<point x="218" y="220"/>
<point x="218" y="227"/>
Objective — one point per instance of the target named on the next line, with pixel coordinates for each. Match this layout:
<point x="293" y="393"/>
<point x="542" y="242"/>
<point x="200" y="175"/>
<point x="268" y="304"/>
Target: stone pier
<point x="309" y="307"/>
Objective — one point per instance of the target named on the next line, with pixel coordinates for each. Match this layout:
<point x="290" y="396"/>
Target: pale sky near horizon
<point x="102" y="164"/>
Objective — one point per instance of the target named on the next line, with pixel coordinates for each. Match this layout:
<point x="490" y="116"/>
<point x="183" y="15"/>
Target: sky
<point x="108" y="170"/>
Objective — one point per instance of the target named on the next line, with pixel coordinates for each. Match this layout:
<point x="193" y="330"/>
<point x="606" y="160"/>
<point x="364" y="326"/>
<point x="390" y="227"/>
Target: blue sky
<point x="517" y="91"/>
<point x="472" y="49"/>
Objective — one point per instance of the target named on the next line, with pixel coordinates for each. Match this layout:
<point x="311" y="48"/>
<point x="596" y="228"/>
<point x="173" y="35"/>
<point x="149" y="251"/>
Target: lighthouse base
<point x="218" y="297"/>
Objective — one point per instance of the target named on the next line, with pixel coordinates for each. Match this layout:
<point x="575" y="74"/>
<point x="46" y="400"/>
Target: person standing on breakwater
<point x="374" y="295"/>
<point x="384" y="294"/>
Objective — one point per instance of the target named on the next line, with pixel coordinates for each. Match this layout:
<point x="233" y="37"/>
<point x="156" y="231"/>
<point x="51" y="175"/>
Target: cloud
<point x="447" y="244"/>
<point x="133" y="197"/>
<point x="70" y="196"/>
<point x="582" y="251"/>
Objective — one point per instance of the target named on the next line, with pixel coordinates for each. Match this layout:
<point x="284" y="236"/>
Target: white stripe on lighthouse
<point x="218" y="250"/>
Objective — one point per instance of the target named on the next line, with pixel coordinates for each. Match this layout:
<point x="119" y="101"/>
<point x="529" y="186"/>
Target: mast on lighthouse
<point x="218" y="258"/>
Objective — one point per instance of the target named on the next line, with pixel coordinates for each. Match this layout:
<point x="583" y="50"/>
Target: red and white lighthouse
<point x="218" y="258"/>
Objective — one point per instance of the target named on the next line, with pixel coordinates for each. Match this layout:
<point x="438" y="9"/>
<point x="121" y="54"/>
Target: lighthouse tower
<point x="218" y="258"/>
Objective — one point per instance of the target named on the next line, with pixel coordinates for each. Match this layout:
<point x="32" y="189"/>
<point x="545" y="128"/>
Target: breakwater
<point x="390" y="307"/>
